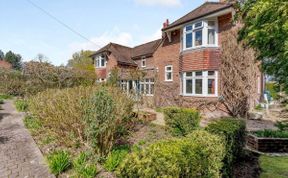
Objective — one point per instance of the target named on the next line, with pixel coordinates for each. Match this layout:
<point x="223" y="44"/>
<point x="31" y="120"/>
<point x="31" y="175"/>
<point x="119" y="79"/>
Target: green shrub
<point x="32" y="123"/>
<point x="115" y="158"/>
<point x="271" y="133"/>
<point x="59" y="162"/>
<point x="1" y="101"/>
<point x="21" y="105"/>
<point x="233" y="131"/>
<point x="258" y="107"/>
<point x="104" y="111"/>
<point x="5" y="97"/>
<point x="181" y="121"/>
<point x="83" y="167"/>
<point x="198" y="155"/>
<point x="274" y="89"/>
<point x="282" y="125"/>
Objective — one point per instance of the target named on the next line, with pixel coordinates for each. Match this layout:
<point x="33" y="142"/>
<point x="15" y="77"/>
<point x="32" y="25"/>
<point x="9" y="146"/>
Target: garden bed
<point x="267" y="145"/>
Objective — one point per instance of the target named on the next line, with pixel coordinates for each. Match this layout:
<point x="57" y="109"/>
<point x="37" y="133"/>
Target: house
<point x="5" y="64"/>
<point x="182" y="68"/>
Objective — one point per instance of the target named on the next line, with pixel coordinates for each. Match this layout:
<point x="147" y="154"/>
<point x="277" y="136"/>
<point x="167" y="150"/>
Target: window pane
<point x="211" y="86"/>
<point x="189" y="86"/>
<point x="211" y="36"/>
<point x="211" y="73"/>
<point x="189" y="40"/>
<point x="169" y="76"/>
<point x="188" y="74"/>
<point x="188" y="28"/>
<point x="198" y="24"/>
<point x="168" y="68"/>
<point x="152" y="89"/>
<point x="199" y="73"/>
<point x="147" y="89"/>
<point x="142" y="89"/>
<point x="198" y="87"/>
<point x="102" y="62"/>
<point x="198" y="38"/>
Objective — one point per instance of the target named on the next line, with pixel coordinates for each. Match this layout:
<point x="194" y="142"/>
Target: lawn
<point x="276" y="167"/>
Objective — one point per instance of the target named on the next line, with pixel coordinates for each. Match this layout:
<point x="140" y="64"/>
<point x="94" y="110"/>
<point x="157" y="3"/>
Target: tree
<point x="1" y="55"/>
<point x="266" y="30"/>
<point x="14" y="59"/>
<point x="82" y="60"/>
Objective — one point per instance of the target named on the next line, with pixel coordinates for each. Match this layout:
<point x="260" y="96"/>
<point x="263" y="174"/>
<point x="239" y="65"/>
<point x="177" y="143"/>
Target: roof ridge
<point x="147" y="43"/>
<point x="119" y="45"/>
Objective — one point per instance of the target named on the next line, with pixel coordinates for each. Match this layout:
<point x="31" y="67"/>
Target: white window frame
<point x="205" y="27"/>
<point x="143" y="60"/>
<point x="167" y="72"/>
<point x="98" y="61"/>
<point x="147" y="91"/>
<point x="205" y="77"/>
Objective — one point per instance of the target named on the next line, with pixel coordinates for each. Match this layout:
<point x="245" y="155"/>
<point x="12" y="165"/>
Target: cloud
<point x="166" y="3"/>
<point x="156" y="35"/>
<point x="115" y="36"/>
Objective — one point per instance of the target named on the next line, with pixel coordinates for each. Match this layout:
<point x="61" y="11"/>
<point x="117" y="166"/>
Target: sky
<point x="27" y="30"/>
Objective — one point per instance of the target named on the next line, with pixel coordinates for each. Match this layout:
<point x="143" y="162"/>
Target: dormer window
<point x="143" y="62"/>
<point x="100" y="61"/>
<point x="200" y="34"/>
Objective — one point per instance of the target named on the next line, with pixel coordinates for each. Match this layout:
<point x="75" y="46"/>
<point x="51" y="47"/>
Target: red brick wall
<point x="149" y="63"/>
<point x="103" y="72"/>
<point x="5" y="65"/>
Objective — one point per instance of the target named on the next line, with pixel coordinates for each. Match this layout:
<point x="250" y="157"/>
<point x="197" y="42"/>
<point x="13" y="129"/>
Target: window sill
<point x="100" y="67"/>
<point x="200" y="47"/>
<point x="199" y="96"/>
<point x="168" y="80"/>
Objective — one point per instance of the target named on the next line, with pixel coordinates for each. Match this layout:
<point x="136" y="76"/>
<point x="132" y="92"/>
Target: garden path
<point x="19" y="154"/>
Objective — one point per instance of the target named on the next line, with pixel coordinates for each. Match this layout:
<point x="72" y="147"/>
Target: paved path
<point x="19" y="155"/>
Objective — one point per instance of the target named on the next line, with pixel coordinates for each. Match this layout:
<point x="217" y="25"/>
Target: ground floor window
<point x="147" y="87"/>
<point x="200" y="83"/>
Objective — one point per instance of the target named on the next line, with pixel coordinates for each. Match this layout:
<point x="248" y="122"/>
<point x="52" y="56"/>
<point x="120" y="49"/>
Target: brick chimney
<point x="166" y="23"/>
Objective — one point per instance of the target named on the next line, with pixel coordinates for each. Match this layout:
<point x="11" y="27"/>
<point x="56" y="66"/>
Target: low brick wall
<point x="267" y="145"/>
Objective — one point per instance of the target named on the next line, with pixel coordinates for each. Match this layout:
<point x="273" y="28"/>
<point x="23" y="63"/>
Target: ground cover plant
<point x="271" y="134"/>
<point x="59" y="161"/>
<point x="83" y="167"/>
<point x="21" y="105"/>
<point x="181" y="121"/>
<point x="233" y="132"/>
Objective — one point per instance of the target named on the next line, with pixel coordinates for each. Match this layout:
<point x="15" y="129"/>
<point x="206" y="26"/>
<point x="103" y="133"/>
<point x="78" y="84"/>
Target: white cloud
<point x="167" y="3"/>
<point x="156" y="35"/>
<point x="114" y="36"/>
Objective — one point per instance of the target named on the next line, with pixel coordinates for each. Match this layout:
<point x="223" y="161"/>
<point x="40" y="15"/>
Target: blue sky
<point x="28" y="31"/>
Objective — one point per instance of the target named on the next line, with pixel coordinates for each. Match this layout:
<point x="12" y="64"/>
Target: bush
<point x="115" y="158"/>
<point x="104" y="111"/>
<point x="1" y="101"/>
<point x="58" y="162"/>
<point x="233" y="131"/>
<point x="12" y="82"/>
<point x="198" y="155"/>
<point x="60" y="111"/>
<point x="83" y="167"/>
<point x="21" y="105"/>
<point x="5" y="97"/>
<point x="282" y="125"/>
<point x="181" y="121"/>
<point x="272" y="133"/>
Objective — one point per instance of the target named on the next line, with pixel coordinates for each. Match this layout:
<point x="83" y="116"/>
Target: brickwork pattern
<point x="19" y="155"/>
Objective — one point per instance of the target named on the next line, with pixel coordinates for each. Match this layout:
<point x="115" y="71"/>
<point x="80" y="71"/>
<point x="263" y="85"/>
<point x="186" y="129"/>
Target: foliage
<point x="59" y="161"/>
<point x="83" y="167"/>
<point x="14" y="59"/>
<point x="105" y="112"/>
<point x="238" y="73"/>
<point x="21" y="105"/>
<point x="61" y="111"/>
<point x="2" y="55"/>
<point x="198" y="155"/>
<point x="1" y="101"/>
<point x="274" y="89"/>
<point x="5" y="97"/>
<point x="273" y="166"/>
<point x="115" y="158"/>
<point x="266" y="29"/>
<point x="282" y="125"/>
<point x="271" y="133"/>
<point x="181" y="121"/>
<point x="32" y="123"/>
<point x="233" y="132"/>
<point x="12" y="82"/>
<point x="258" y="107"/>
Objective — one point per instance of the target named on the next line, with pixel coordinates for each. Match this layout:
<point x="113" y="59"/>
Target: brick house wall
<point x="5" y="65"/>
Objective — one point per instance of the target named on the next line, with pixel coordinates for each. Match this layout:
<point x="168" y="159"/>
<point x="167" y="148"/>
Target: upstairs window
<point x="200" y="34"/>
<point x="100" y="61"/>
<point x="143" y="62"/>
<point x="169" y="73"/>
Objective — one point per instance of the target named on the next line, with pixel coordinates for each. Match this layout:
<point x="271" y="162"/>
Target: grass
<point x="21" y="105"/>
<point x="274" y="167"/>
<point x="58" y="162"/>
<point x="5" y="97"/>
<point x="116" y="157"/>
<point x="84" y="168"/>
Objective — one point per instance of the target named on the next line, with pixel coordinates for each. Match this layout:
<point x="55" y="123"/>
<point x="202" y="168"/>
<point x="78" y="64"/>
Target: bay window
<point x="200" y="83"/>
<point x="100" y="61"/>
<point x="200" y="34"/>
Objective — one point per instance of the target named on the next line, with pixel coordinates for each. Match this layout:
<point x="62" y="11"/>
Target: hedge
<point x="181" y="121"/>
<point x="198" y="155"/>
<point x="233" y="131"/>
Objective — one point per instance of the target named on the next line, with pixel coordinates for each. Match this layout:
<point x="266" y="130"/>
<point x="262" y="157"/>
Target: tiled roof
<point x="146" y="49"/>
<point x="203" y="10"/>
<point x="125" y="55"/>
